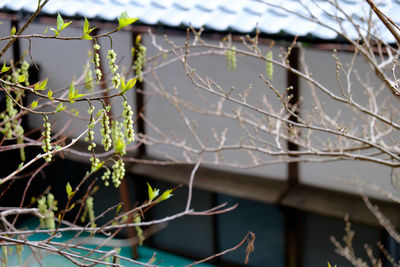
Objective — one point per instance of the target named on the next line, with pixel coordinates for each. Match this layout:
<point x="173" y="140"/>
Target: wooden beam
<point x="303" y="197"/>
<point x="234" y="184"/>
<point x="337" y="204"/>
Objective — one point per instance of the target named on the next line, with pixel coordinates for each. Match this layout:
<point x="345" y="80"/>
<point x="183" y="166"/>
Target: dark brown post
<point x="292" y="217"/>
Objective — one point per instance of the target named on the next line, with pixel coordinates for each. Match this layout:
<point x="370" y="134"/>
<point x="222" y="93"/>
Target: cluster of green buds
<point x="20" y="75"/>
<point x="18" y="250"/>
<point x="230" y="58"/>
<point x="139" y="230"/>
<point x="10" y="125"/>
<point x="116" y="80"/>
<point x="88" y="78"/>
<point x="89" y="212"/>
<point x="19" y="131"/>
<point x="46" y="207"/>
<point x="118" y="172"/>
<point x="90" y="138"/>
<point x="140" y="61"/>
<point x="269" y="65"/>
<point x="105" y="130"/>
<point x="106" y="176"/>
<point x="96" y="60"/>
<point x="24" y="71"/>
<point x="95" y="164"/>
<point x="128" y="122"/>
<point x="46" y="140"/>
<point x="118" y="138"/>
<point x="90" y="133"/>
<point x="4" y="251"/>
<point x="112" y="57"/>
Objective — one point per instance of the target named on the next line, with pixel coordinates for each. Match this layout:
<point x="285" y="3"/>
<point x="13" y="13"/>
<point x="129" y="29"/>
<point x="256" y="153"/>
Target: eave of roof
<point x="272" y="17"/>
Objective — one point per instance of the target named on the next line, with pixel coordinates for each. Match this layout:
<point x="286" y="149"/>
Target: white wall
<point x="163" y="114"/>
<point x="334" y="175"/>
<point x="5" y="28"/>
<point x="338" y="175"/>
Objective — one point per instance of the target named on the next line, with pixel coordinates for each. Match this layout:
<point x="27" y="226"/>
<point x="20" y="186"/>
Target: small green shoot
<point x="40" y="85"/>
<point x="129" y="85"/>
<point x="167" y="194"/>
<point x="73" y="93"/>
<point x="50" y="94"/>
<point x="87" y="30"/>
<point x="153" y="193"/>
<point x="60" y="25"/>
<point x="21" y="78"/>
<point x="68" y="189"/>
<point x="124" y="20"/>
<point x="13" y="30"/>
<point x="5" y="68"/>
<point x="60" y="107"/>
<point x="34" y="104"/>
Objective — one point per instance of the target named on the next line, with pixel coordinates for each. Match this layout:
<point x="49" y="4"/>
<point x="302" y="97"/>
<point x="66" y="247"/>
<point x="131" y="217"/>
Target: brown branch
<point x="250" y="237"/>
<point x="389" y="24"/>
<point x="23" y="28"/>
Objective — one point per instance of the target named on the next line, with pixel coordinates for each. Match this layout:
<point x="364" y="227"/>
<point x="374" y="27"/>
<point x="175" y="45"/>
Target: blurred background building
<point x="293" y="208"/>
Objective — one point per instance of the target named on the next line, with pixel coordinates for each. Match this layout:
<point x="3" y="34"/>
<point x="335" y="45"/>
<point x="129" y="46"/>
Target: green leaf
<point x="65" y="25"/>
<point x="87" y="30"/>
<point x="49" y="94"/>
<point x="41" y="85"/>
<point x="99" y="166"/>
<point x="21" y="78"/>
<point x="131" y="83"/>
<point x="56" y="33"/>
<point x="13" y="30"/>
<point x="87" y="37"/>
<point x="68" y="189"/>
<point x="119" y="146"/>
<point x="46" y="30"/>
<point x="71" y="92"/>
<point x="90" y="30"/>
<point x="167" y="194"/>
<point x="60" y="107"/>
<point x="20" y="165"/>
<point x="34" y="104"/>
<point x="5" y="68"/>
<point x="153" y="193"/>
<point x="86" y="26"/>
<point x="60" y="22"/>
<point x="79" y="95"/>
<point x="118" y="208"/>
<point x="124" y="20"/>
<point x="123" y="85"/>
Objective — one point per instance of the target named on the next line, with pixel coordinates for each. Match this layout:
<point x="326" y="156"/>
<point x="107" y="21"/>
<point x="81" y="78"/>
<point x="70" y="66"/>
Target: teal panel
<point x="162" y="258"/>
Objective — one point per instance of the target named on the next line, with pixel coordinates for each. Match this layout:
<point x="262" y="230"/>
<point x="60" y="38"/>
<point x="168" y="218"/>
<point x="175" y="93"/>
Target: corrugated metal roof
<point x="271" y="16"/>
